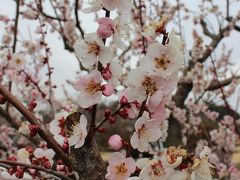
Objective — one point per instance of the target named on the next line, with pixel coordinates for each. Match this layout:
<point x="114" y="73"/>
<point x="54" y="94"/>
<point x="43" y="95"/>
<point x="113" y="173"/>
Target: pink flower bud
<point x="111" y="119"/>
<point x="107" y="89"/>
<point x="107" y="113"/>
<point x="60" y="167"/>
<point x="115" y="142"/>
<point x="123" y="113"/>
<point x="32" y="105"/>
<point x="106" y="73"/>
<point x="106" y="27"/>
<point x="123" y="101"/>
<point x="2" y="99"/>
<point x="34" y="129"/>
<point x="101" y="130"/>
<point x="104" y="31"/>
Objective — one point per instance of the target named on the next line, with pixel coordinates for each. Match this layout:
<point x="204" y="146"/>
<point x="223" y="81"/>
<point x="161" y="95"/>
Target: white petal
<point x="105" y="55"/>
<point x="49" y="153"/>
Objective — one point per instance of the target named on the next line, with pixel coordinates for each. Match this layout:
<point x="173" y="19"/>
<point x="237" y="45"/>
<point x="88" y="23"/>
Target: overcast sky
<point x="65" y="64"/>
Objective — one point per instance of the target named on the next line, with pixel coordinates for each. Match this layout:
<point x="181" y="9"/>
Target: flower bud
<point x="106" y="73"/>
<point x="2" y="99"/>
<point x="123" y="113"/>
<point x="111" y="119"/>
<point x="34" y="129"/>
<point x="107" y="89"/>
<point x="32" y="105"/>
<point x="101" y="130"/>
<point x="115" y="142"/>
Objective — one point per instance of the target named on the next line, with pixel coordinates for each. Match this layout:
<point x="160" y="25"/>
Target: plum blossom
<point x="122" y="29"/>
<point x="152" y="86"/>
<point x="154" y="169"/>
<point x="173" y="156"/>
<point x="23" y="156"/>
<point x="45" y="156"/>
<point x="201" y="167"/>
<point x="57" y="128"/>
<point x="95" y="6"/>
<point x="121" y="5"/>
<point x="79" y="133"/>
<point x="120" y="168"/>
<point x="18" y="61"/>
<point x="155" y="28"/>
<point x="92" y="49"/>
<point x="106" y="27"/>
<point x="146" y="130"/>
<point x="89" y="87"/>
<point x="164" y="60"/>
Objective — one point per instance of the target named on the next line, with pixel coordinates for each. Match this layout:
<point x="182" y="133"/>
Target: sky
<point x="65" y="64"/>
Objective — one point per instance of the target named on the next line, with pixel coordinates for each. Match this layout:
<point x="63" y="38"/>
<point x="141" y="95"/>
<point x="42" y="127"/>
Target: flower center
<point x="149" y="85"/>
<point x="93" y="87"/>
<point x="93" y="47"/>
<point x="162" y="62"/>
<point x="141" y="130"/>
<point x="173" y="153"/>
<point x="157" y="169"/>
<point x="121" y="169"/>
<point x="18" y="61"/>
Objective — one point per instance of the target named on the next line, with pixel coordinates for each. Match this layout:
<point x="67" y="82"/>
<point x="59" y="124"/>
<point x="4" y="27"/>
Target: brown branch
<point x="50" y="171"/>
<point x="77" y="19"/>
<point x="40" y="8"/>
<point x="142" y="24"/>
<point x="224" y="98"/>
<point x="14" y="41"/>
<point x="205" y="29"/>
<point x="215" y="85"/>
<point x="33" y="120"/>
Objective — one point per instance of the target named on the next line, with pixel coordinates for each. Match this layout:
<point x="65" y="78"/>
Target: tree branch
<point x="205" y="29"/>
<point x="33" y="120"/>
<point x="50" y="171"/>
<point x="77" y="19"/>
<point x="40" y="8"/>
<point x="215" y="85"/>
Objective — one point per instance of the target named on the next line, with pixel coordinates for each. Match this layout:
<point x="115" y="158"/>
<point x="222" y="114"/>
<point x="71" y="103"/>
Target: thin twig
<point x="45" y="134"/>
<point x="55" y="173"/>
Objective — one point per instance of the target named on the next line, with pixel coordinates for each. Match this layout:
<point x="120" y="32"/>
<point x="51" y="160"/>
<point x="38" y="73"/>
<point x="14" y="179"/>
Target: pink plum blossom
<point x="120" y="168"/>
<point x="90" y="88"/>
<point x="79" y="133"/>
<point x="146" y="130"/>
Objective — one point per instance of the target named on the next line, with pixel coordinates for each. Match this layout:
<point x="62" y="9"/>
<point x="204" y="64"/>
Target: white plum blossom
<point x="116" y="72"/>
<point x="56" y="127"/>
<point x="47" y="154"/>
<point x="18" y="61"/>
<point x="79" y="133"/>
<point x="95" y="6"/>
<point x="89" y="87"/>
<point x="152" y="86"/>
<point x="121" y="5"/>
<point x="120" y="168"/>
<point x="23" y="156"/>
<point x="146" y="130"/>
<point x="155" y="170"/>
<point x="92" y="49"/>
<point x="201" y="167"/>
<point x="122" y="29"/>
<point x="164" y="60"/>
